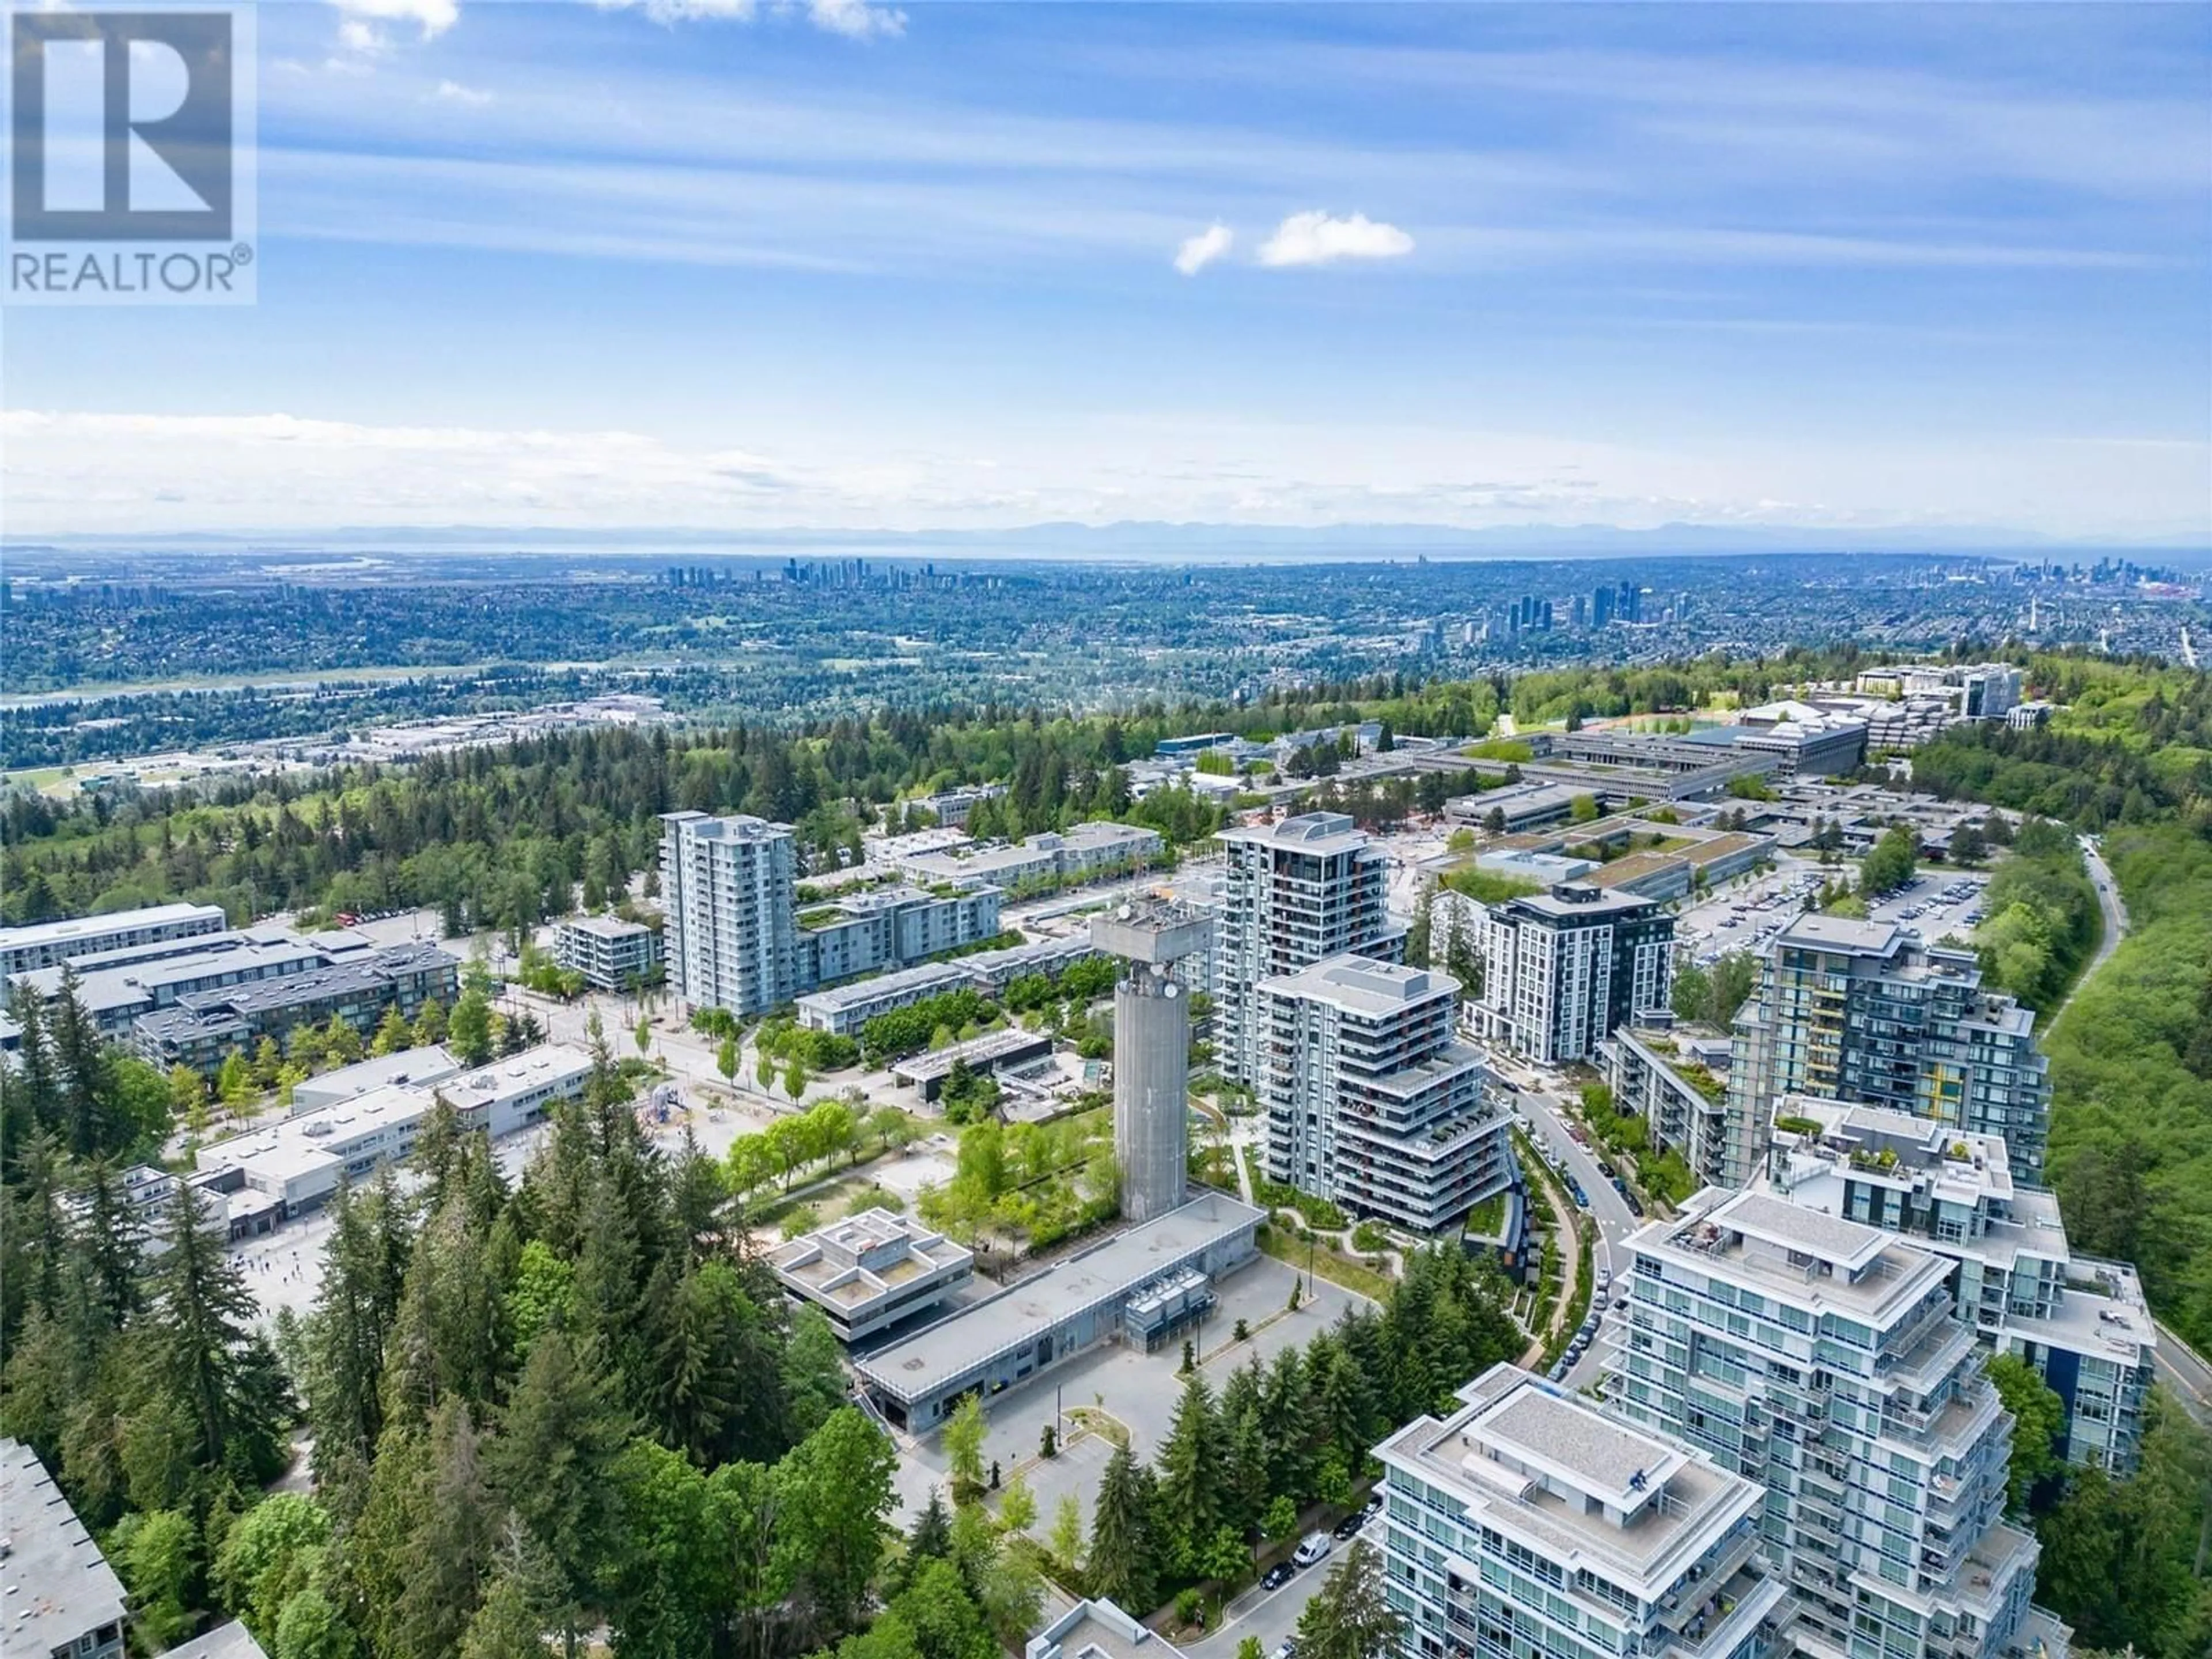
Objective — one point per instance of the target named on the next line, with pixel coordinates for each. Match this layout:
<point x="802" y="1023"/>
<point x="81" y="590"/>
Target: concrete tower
<point x="1151" y="1050"/>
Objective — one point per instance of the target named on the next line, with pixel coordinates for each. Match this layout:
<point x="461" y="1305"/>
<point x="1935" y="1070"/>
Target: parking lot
<point x="1747" y="916"/>
<point x="1139" y="1390"/>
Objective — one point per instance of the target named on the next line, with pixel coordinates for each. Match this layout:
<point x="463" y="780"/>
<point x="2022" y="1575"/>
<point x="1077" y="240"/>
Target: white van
<point x="1313" y="1547"/>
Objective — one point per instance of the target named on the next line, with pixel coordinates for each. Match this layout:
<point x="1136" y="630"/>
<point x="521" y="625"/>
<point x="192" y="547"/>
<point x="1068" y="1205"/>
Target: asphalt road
<point x="1542" y="1097"/>
<point x="2108" y="901"/>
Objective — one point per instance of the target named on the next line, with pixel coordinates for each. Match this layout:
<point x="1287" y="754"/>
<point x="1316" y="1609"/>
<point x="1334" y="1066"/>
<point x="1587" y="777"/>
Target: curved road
<point x="2114" y="912"/>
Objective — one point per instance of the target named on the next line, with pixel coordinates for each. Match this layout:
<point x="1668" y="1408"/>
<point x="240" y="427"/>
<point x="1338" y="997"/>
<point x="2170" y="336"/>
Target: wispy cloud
<point x="1318" y="239"/>
<point x="431" y="18"/>
<point x="856" y="20"/>
<point x="452" y="92"/>
<point x="1202" y="250"/>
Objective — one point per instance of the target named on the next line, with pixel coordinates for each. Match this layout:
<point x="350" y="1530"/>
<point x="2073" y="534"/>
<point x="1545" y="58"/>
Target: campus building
<point x="611" y="953"/>
<point x="1562" y="969"/>
<point x="1530" y="1524"/>
<point x="57" y="1594"/>
<point x="1371" y="1102"/>
<point x="295" y="1165"/>
<point x="1292" y="894"/>
<point x="49" y="944"/>
<point x="1081" y="852"/>
<point x="842" y="1010"/>
<point x="200" y="1028"/>
<point x="732" y="939"/>
<point x="1145" y="1286"/>
<point x="2082" y="1323"/>
<point x="1821" y="1360"/>
<point x="871" y="1273"/>
<point x="1867" y="1012"/>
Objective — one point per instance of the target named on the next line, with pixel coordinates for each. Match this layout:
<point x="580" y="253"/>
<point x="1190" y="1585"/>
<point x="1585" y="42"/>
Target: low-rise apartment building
<point x="611" y="954"/>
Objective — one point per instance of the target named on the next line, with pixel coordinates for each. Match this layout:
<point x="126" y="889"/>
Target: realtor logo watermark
<point x="130" y="157"/>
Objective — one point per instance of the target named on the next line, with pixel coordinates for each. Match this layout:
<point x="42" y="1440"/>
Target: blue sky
<point x="693" y="263"/>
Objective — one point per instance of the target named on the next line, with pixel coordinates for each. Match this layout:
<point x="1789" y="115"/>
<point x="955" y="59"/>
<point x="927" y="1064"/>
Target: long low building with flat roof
<point x="49" y="944"/>
<point x="1145" y="1287"/>
<point x="992" y="1052"/>
<point x="298" y="1163"/>
<point x="842" y="1010"/>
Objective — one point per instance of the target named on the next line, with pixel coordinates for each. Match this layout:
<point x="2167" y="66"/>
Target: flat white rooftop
<point x="930" y="1360"/>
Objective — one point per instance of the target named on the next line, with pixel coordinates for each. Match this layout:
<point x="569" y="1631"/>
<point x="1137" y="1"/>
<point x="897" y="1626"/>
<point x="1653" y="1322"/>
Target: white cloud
<point x="856" y="20"/>
<point x="1202" y="250"/>
<point x="1316" y="239"/>
<point x="362" y="37"/>
<point x="452" y="92"/>
<point x="433" y="17"/>
<point x="75" y="473"/>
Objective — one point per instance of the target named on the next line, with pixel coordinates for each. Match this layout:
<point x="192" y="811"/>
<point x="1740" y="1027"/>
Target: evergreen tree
<point x="1190" y="1472"/>
<point x="1119" y="1560"/>
<point x="202" y="1355"/>
<point x="553" y="1461"/>
<point x="1350" y="1617"/>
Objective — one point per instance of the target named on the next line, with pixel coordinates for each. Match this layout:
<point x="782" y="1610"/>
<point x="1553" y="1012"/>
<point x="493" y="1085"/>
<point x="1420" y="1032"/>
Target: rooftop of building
<point x="1319" y="833"/>
<point x="1533" y="1460"/>
<point x="865" y="1257"/>
<point x="976" y="1051"/>
<point x="433" y="1064"/>
<point x="54" y="1585"/>
<point x="39" y="935"/>
<point x="228" y="1641"/>
<point x="1572" y="901"/>
<point x="1360" y="985"/>
<point x="2103" y="1313"/>
<point x="99" y="989"/>
<point x="930" y="977"/>
<point x="1821" y="1262"/>
<point x="1037" y="953"/>
<point x="932" y="1358"/>
<point x="1952" y="1163"/>
<point x="732" y="827"/>
<point x="606" y="928"/>
<point x="517" y="1075"/>
<point x="1096" y="1629"/>
<point x="286" y="990"/>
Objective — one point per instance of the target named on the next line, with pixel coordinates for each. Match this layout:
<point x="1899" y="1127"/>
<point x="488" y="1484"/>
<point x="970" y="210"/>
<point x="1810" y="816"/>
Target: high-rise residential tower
<point x="728" y="887"/>
<point x="1822" y="1359"/>
<point x="1866" y="1012"/>
<point x="1292" y="894"/>
<point x="1531" y="1524"/>
<point x="1562" y="969"/>
<point x="1371" y="1102"/>
<point x="2081" y="1322"/>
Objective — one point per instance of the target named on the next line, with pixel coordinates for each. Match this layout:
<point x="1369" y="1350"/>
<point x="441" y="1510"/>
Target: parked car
<point x="1288" y="1649"/>
<point x="1373" y="1506"/>
<point x="1350" y="1526"/>
<point x="1559" y="1370"/>
<point x="1278" y="1575"/>
<point x="1314" y="1547"/>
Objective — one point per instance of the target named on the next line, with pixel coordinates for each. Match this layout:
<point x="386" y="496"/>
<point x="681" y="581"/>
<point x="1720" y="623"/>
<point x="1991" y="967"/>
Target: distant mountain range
<point x="1145" y="540"/>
